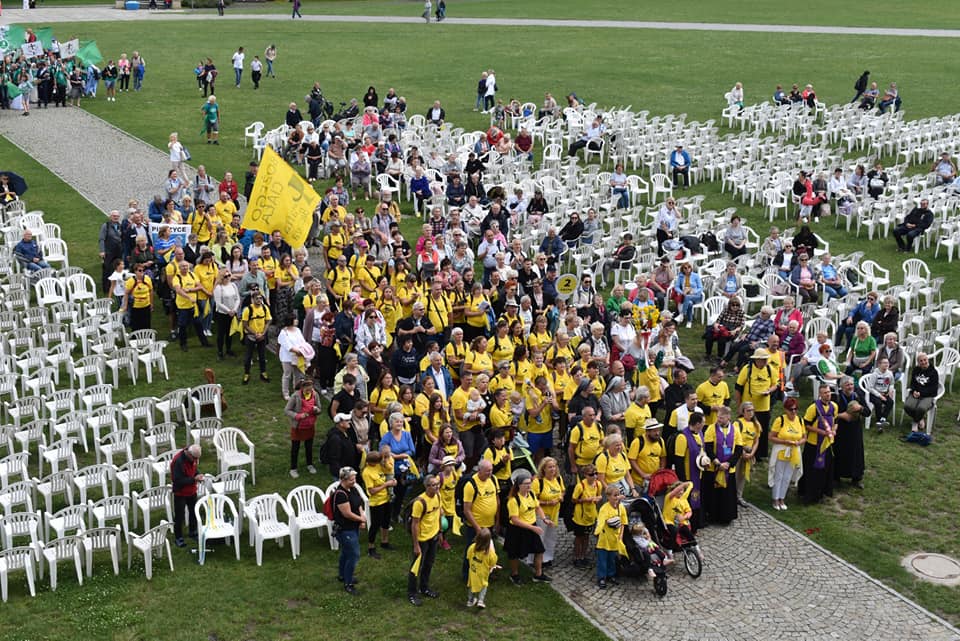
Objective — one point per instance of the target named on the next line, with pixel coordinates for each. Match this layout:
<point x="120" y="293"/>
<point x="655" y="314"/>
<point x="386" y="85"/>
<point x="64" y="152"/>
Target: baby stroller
<point x="649" y="510"/>
<point x="637" y="563"/>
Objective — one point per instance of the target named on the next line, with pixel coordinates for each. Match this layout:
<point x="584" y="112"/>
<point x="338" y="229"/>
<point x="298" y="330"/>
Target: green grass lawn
<point x="899" y="512"/>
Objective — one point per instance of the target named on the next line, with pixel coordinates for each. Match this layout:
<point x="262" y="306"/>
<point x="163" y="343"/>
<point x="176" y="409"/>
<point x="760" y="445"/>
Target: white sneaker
<point x="207" y="332"/>
<point x="481" y="604"/>
<point x="689" y="324"/>
<point x="311" y="469"/>
<point x="294" y="474"/>
<point x="471" y="602"/>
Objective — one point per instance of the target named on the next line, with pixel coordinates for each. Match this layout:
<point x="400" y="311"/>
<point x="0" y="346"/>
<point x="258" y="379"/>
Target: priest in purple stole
<point x="724" y="446"/>
<point x="820" y="419"/>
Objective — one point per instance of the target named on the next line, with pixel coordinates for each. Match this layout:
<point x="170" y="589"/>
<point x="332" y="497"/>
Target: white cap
<point x="342" y="416"/>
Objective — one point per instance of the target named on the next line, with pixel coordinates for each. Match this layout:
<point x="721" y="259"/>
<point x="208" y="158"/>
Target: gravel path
<point x="106" y="165"/>
<point x="109" y="14"/>
<point x="761" y="581"/>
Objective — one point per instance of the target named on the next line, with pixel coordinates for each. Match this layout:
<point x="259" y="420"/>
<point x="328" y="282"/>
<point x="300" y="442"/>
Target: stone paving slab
<point x="761" y="581"/>
<point x="105" y="13"/>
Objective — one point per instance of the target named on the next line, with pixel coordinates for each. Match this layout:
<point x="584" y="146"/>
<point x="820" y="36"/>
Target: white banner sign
<point x="69" y="49"/>
<point x="178" y="233"/>
<point x="32" y="49"/>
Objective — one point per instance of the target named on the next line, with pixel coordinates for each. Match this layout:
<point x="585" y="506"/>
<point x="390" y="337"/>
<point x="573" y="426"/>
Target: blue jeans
<point x="688" y="302"/>
<point x="237" y="74"/>
<point x="624" y="202"/>
<point x="35" y="267"/>
<point x="606" y="563"/>
<point x="349" y="554"/>
<point x="206" y="314"/>
<point x="269" y="67"/>
<point x="838" y="291"/>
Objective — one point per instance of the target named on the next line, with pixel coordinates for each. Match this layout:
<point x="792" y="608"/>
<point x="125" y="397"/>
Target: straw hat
<point x="760" y="353"/>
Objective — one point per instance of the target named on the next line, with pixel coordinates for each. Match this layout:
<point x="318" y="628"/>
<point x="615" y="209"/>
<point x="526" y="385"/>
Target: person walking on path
<point x="296" y="10"/>
<point x="238" y="64"/>
<point x="427" y="8"/>
<point x="441" y="10"/>
<point x="270" y="55"/>
<point x="220" y="4"/>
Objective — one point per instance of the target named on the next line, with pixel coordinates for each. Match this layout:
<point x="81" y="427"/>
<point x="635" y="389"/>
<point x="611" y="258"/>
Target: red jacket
<point x="183" y="472"/>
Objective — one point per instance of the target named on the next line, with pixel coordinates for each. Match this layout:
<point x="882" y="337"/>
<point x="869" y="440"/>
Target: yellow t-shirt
<point x="448" y="486"/>
<point x="339" y="279"/>
<point x="200" y="226"/>
<point x="427" y="509"/>
<point x="479" y="362"/>
<point x="438" y="311"/>
<point x="651" y="378"/>
<point x="749" y="432"/>
<point x="585" y="513"/>
<point x="380" y="398"/>
<point x="374" y="475"/>
<point x="499" y="382"/>
<point x="207" y="276"/>
<point x="391" y="311"/>
<point x="477" y="304"/>
<point x="500" y="418"/>
<point x="520" y="370"/>
<point x="564" y="387"/>
<point x="611" y="468"/>
<point x="500" y="349"/>
<point x="496" y="457"/>
<point x="541" y="423"/>
<point x="635" y="418"/>
<point x="647" y="455"/>
<point x="333" y="244"/>
<point x="586" y="441"/>
<point x="140" y="292"/>
<point x="548" y="490"/>
<point x="225" y="211"/>
<point x="790" y="430"/>
<point x="523" y="507"/>
<point x="710" y="436"/>
<point x="483" y="498"/>
<point x="539" y="342"/>
<point x="710" y="395"/>
<point x="458" y="403"/>
<point x="286" y="277"/>
<point x="608" y="538"/>
<point x="185" y="281"/>
<point x="455" y="355"/>
<point x="481" y="563"/>
<point x="256" y="318"/>
<point x="676" y="507"/>
<point x="754" y="380"/>
<point x="555" y="350"/>
<point x="269" y="267"/>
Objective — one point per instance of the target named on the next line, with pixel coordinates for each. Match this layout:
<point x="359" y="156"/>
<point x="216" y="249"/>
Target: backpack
<point x="458" y="492"/>
<point x="329" y="509"/>
<point x="710" y="240"/>
<point x="566" y="508"/>
<point x="323" y="454"/>
<point x="406" y="514"/>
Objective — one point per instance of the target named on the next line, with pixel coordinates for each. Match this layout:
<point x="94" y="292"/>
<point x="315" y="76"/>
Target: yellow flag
<point x="415" y="568"/>
<point x="457" y="524"/>
<point x="281" y="199"/>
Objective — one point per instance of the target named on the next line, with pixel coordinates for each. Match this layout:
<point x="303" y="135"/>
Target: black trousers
<point x="183" y="504"/>
<point x="255" y="76"/>
<point x="224" y="339"/>
<point x="379" y="519"/>
<point x="295" y="452"/>
<point x="429" y="551"/>
<point x="260" y="347"/>
<point x="677" y="173"/>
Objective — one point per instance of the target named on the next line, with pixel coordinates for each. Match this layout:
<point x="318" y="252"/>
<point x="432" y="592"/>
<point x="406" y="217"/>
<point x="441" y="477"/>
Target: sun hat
<point x="448" y="460"/>
<point x="652" y="424"/>
<point x="760" y="353"/>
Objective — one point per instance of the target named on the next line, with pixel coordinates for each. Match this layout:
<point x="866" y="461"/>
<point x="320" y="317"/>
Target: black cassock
<point x="848" y="458"/>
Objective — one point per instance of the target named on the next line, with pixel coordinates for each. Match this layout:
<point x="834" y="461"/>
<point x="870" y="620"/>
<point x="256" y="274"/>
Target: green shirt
<point x="212" y="111"/>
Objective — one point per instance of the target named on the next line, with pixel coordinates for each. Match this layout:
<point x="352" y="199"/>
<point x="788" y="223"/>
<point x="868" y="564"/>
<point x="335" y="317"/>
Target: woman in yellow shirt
<point x="549" y="489"/>
<point x="539" y="339"/>
<point x="521" y="368"/>
<point x="449" y="475"/>
<point x="500" y="347"/>
<point x="523" y="533"/>
<point x="503" y="380"/>
<point x="613" y="466"/>
<point x="586" y="496"/>
<point x="787" y="434"/>
<point x="376" y="483"/>
<point x="390" y="307"/>
<point x="432" y="418"/>
<point x="478" y="361"/>
<point x="139" y="299"/>
<point x="475" y="309"/>
<point x="611" y="520"/>
<point x="456" y="353"/>
<point x="382" y="395"/>
<point x="750" y="429"/>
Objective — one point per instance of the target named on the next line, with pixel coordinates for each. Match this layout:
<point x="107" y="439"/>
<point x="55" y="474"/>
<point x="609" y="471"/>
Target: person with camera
<point x="302" y="408"/>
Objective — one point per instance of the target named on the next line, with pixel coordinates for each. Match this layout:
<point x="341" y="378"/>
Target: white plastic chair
<point x="306" y="502"/>
<point x="262" y="518"/>
<point x="252" y="132"/>
<point x="81" y="288"/>
<point x="72" y="518"/>
<point x="161" y="437"/>
<point x="55" y="251"/>
<point x="16" y="494"/>
<point x="19" y="558"/>
<point x="13" y="465"/>
<point x="101" y="539"/>
<point x="173" y="405"/>
<point x="212" y="517"/>
<point x="71" y="425"/>
<point x="153" y="541"/>
<point x="660" y="184"/>
<point x="232" y="483"/>
<point x="96" y="396"/>
<point x="62" y="549"/>
<point x="110" y="508"/>
<point x="86" y="367"/>
<point x="122" y="359"/>
<point x="138" y="408"/>
<point x="150" y="500"/>
<point x="136" y="471"/>
<point x="20" y="524"/>
<point x="115" y="443"/>
<point x="57" y="453"/>
<point x="204" y="395"/>
<point x="205" y="428"/>
<point x="49" y="291"/>
<point x="228" y="452"/>
<point x="161" y="464"/>
<point x="104" y="418"/>
<point x="101" y="475"/>
<point x="53" y="485"/>
<point x="155" y="358"/>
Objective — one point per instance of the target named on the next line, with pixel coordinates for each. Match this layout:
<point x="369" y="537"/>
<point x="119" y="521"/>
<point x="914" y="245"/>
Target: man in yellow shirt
<point x="712" y="394"/>
<point x="269" y="266"/>
<point x="757" y="381"/>
<point x="438" y="311"/>
<point x="586" y="439"/>
<point x="186" y="285"/>
<point x="255" y="319"/>
<point x="203" y="222"/>
<point x="225" y="210"/>
<point x="334" y="211"/>
<point x="541" y="403"/>
<point x="206" y="272"/>
<point x="637" y="413"/>
<point x="647" y="453"/>
<point x="425" y="532"/>
<point x="480" y="505"/>
<point x="333" y="244"/>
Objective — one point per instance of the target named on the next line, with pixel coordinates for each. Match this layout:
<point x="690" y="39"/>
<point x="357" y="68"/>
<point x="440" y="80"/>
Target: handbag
<point x="877" y="183"/>
<point x="186" y="154"/>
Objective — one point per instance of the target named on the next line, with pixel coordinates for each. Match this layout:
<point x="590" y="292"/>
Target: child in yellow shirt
<point x="482" y="558"/>
<point x="611" y="520"/>
<point x="586" y="495"/>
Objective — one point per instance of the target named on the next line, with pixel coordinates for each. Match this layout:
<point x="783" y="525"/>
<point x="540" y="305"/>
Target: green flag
<point x="89" y="52"/>
<point x="12" y="37"/>
<point x="12" y="90"/>
<point x="44" y="36"/>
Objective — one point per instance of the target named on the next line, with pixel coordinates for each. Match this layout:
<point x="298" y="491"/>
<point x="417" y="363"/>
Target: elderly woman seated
<point x="786" y="313"/>
<point x="724" y="329"/>
<point x="804" y="277"/>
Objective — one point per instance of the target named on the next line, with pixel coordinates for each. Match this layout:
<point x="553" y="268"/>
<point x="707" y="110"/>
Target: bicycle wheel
<point x="692" y="562"/>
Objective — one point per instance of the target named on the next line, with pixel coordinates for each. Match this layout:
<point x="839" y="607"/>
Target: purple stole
<point x="693" y="472"/>
<point x="724" y="444"/>
<point x="820" y="462"/>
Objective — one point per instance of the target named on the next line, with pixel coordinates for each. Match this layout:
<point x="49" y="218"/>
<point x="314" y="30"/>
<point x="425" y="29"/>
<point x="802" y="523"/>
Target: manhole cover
<point x="936" y="568"/>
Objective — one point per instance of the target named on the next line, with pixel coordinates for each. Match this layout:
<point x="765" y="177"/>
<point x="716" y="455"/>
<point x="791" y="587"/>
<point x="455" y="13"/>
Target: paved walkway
<point x="107" y="14"/>
<point x="106" y="165"/>
<point x="761" y="581"/>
